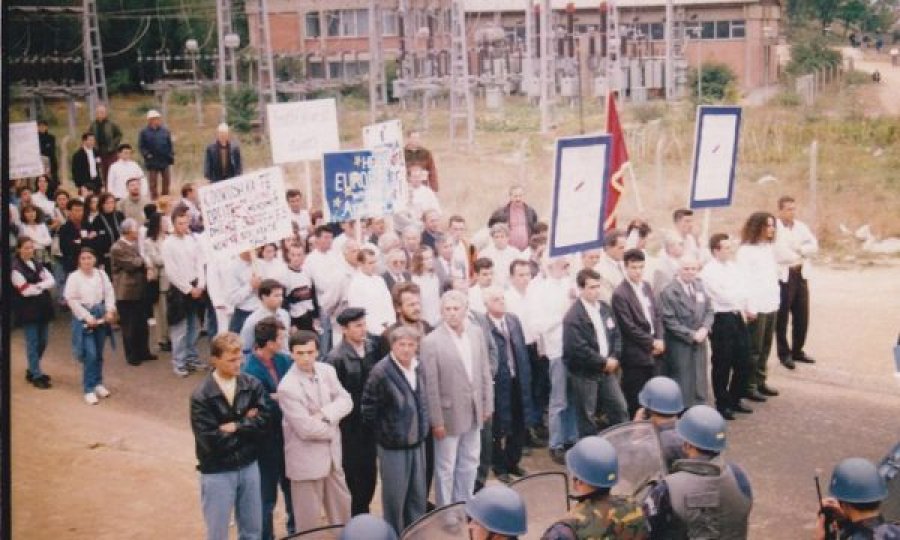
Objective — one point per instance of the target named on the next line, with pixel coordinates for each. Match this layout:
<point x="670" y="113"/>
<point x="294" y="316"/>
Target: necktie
<point x="691" y="290"/>
<point x="510" y="358"/>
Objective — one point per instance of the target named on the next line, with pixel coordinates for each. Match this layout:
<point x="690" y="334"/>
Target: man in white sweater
<point x="122" y="171"/>
<point x="183" y="261"/>
<point x="368" y="290"/>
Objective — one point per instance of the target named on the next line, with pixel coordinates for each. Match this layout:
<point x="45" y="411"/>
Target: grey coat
<point x="453" y="401"/>
<point x="686" y="359"/>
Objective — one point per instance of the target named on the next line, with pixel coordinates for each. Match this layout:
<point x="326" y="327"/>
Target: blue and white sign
<point x="356" y="184"/>
<point x="579" y="193"/>
<point x="715" y="156"/>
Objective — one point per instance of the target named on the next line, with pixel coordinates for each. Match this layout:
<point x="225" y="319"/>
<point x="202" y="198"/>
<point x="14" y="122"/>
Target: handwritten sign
<point x="715" y="156"/>
<point x="302" y="130"/>
<point x="24" y="151"/>
<point x="356" y="184"/>
<point x="388" y="136"/>
<point x="245" y="212"/>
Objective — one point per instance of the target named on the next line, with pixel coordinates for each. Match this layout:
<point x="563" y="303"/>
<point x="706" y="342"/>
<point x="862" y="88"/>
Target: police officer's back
<point x="857" y="490"/>
<point x="661" y="403"/>
<point x="594" y="468"/>
<point x="704" y="497"/>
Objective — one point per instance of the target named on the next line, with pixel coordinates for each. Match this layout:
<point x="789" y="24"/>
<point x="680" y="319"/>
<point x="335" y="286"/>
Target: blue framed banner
<point x="715" y="156"/>
<point x="580" y="184"/>
<point x="357" y="184"/>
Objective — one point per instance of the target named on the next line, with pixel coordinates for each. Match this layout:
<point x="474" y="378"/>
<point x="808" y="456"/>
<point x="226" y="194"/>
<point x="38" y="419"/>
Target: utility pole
<point x="528" y="71"/>
<point x="228" y="42"/>
<point x="462" y="105"/>
<point x="376" y="63"/>
<point x="546" y="75"/>
<point x="265" y="66"/>
<point x="670" y="64"/>
<point x="94" y="74"/>
<point x="613" y="47"/>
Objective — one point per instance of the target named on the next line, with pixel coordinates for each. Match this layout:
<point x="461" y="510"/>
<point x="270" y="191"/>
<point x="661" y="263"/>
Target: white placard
<point x="302" y="130"/>
<point x="388" y="136"/>
<point x="245" y="212"/>
<point x="715" y="156"/>
<point x="24" y="151"/>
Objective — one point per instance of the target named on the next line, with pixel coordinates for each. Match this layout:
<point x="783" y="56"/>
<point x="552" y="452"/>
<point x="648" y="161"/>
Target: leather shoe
<point x="518" y="471"/>
<point x="741" y="408"/>
<point x="726" y="414"/>
<point x="505" y="478"/>
<point x="787" y="362"/>
<point x="165" y="346"/>
<point x="558" y="455"/>
<point x="150" y="357"/>
<point x="767" y="391"/>
<point x="802" y="357"/>
<point x="756" y="396"/>
<point x="41" y="382"/>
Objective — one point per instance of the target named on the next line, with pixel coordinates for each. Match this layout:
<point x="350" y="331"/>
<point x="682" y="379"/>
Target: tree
<point x="852" y="12"/>
<point x="718" y="82"/>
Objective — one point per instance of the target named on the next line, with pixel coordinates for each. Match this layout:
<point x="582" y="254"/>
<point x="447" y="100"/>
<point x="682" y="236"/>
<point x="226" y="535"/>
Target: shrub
<point x="718" y="83"/>
<point x="241" y="107"/>
<point x="788" y="98"/>
<point x="812" y="54"/>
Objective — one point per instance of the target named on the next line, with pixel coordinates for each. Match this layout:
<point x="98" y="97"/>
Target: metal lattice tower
<point x="613" y="48"/>
<point x="227" y="64"/>
<point x="377" y="92"/>
<point x="94" y="74"/>
<point x="462" y="105"/>
<point x="266" y="67"/>
<point x="547" y="74"/>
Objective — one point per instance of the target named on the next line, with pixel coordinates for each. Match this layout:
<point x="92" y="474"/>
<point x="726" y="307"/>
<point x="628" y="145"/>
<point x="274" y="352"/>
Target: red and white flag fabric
<point x="618" y="162"/>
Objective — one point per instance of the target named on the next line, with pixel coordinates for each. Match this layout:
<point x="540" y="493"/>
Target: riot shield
<point x="889" y="469"/>
<point x="445" y="523"/>
<point x="329" y="532"/>
<point x="640" y="457"/>
<point x="546" y="497"/>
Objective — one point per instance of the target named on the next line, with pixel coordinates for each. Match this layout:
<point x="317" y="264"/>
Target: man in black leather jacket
<point x="228" y="418"/>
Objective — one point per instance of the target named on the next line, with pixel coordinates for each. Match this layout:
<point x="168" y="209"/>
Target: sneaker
<point x="91" y="398"/>
<point x="151" y="322"/>
<point x="180" y="371"/>
<point x="101" y="391"/>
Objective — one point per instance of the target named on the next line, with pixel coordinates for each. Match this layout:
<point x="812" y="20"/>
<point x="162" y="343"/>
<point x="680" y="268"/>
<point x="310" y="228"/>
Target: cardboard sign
<point x="358" y="184"/>
<point x="302" y="130"/>
<point x="388" y="136"/>
<point x="715" y="156"/>
<point x="245" y="212"/>
<point x="581" y="181"/>
<point x="24" y="151"/>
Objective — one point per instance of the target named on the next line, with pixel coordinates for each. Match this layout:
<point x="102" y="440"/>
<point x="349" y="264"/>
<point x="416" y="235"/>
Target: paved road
<point x="124" y="469"/>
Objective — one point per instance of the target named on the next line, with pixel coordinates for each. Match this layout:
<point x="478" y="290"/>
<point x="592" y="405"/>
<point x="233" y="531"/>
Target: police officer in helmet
<point x="857" y="490"/>
<point x="367" y="527"/>
<point x="661" y="403"/>
<point x="496" y="512"/>
<point x="594" y="468"/>
<point x="704" y="497"/>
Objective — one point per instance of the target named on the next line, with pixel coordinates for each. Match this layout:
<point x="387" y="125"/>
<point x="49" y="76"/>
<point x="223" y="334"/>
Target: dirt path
<point x="125" y="468"/>
<point x="889" y="88"/>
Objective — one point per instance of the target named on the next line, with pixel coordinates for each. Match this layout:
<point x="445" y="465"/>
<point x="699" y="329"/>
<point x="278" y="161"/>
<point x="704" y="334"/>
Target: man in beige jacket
<point x="313" y="402"/>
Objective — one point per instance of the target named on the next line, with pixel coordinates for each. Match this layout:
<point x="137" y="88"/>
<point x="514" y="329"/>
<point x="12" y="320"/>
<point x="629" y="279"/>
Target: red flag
<point x="618" y="162"/>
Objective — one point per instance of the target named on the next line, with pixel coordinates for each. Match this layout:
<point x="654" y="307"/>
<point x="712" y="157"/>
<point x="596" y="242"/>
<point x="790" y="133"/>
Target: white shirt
<point x="725" y="285"/>
<point x="295" y="279"/>
<point x="371" y="293"/>
<point x="316" y="267"/>
<point x="794" y="245"/>
<point x="302" y="221"/>
<point x="517" y="304"/>
<point x="239" y="292"/>
<point x="644" y="300"/>
<point x="757" y="264"/>
<point x="476" y="299"/>
<point x="38" y="232"/>
<point x="92" y="161"/>
<point x="548" y="301"/>
<point x="410" y="373"/>
<point x="422" y="199"/>
<point x="217" y="274"/>
<point x="610" y="270"/>
<point x="41" y="201"/>
<point x="183" y="260"/>
<point x="275" y="269"/>
<point x="86" y="290"/>
<point x="502" y="259"/>
<point x="120" y="172"/>
<point x="593" y="312"/>
<point x="463" y="347"/>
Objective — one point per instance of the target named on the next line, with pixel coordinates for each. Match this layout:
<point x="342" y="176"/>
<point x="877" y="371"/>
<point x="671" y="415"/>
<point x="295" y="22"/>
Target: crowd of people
<point x="407" y="347"/>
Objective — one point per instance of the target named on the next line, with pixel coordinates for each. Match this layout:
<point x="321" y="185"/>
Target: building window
<point x="723" y="29"/>
<point x="348" y="23"/>
<point x="708" y="30"/>
<point x="362" y="22"/>
<point x="335" y="69"/>
<point x="316" y="71"/>
<point x="738" y="29"/>
<point x="389" y="24"/>
<point x="313" y="25"/>
<point x="333" y="21"/>
<point x="657" y="31"/>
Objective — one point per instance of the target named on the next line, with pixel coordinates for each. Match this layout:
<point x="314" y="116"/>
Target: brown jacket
<point x="129" y="272"/>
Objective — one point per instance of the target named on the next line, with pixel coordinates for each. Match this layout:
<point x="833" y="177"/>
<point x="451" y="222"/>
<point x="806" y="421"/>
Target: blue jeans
<point x="212" y="323"/>
<point x="271" y="476"/>
<point x="237" y="320"/>
<point x="220" y="492"/>
<point x="325" y="337"/>
<point x="184" y="337"/>
<point x="561" y="415"/>
<point x="36" y="344"/>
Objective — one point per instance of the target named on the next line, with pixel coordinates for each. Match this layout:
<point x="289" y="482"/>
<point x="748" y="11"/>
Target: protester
<point x="367" y="290"/>
<point x="223" y="157"/>
<point x="418" y="155"/>
<point x="108" y="226"/>
<point x="300" y="294"/>
<point x="87" y="166"/>
<point x="32" y="226"/>
<point x="421" y="198"/>
<point x="33" y="307"/>
<point x="43" y="197"/>
<point x="92" y="301"/>
<point x="484" y="278"/>
<point x="611" y="265"/>
<point x="268" y="263"/>
<point x="407" y="300"/>
<point x="152" y="250"/>
<point x="129" y="277"/>
<point x="666" y="267"/>
<point x="155" y="145"/>
<point x="301" y="222"/>
<point x="123" y="170"/>
<point x="132" y="206"/>
<point x="271" y="298"/>
<point x="520" y="218"/>
<point x="463" y="251"/>
<point x="396" y="268"/>
<point x="426" y="278"/>
<point x="47" y="145"/>
<point x="107" y="136"/>
<point x="431" y="228"/>
<point x="683" y="221"/>
<point x="74" y="235"/>
<point x="501" y="253"/>
<point x="446" y="267"/>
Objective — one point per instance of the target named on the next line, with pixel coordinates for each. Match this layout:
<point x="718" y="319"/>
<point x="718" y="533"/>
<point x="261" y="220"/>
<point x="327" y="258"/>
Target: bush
<point x="718" y="83"/>
<point x="788" y="98"/>
<point x="241" y="107"/>
<point x="812" y="54"/>
<point x="857" y="77"/>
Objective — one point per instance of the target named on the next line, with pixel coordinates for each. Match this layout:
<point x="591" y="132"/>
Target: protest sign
<point x="715" y="156"/>
<point x="24" y="151"/>
<point x="389" y="136"/>
<point x="356" y="184"/>
<point x="245" y="212"/>
<point x="302" y="130"/>
<point x="579" y="194"/>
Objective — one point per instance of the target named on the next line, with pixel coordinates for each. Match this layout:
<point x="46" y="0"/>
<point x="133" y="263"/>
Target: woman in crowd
<point x="92" y="301"/>
<point x="107" y="225"/>
<point x="429" y="284"/>
<point x="91" y="207"/>
<point x="33" y="307"/>
<point x="152" y="246"/>
<point x="42" y="198"/>
<point x="57" y="220"/>
<point x="34" y="227"/>
<point x="269" y="265"/>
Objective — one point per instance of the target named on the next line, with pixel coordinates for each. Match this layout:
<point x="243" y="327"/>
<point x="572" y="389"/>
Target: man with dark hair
<point x="86" y="166"/>
<point x="123" y="170"/>
<point x="268" y="364"/>
<point x="431" y="231"/>
<point x="184" y="264"/>
<point x="223" y="157"/>
<point x="353" y="359"/>
<point x="683" y="221"/>
<point x="47" y="143"/>
<point x="610" y="264"/>
<point x="155" y="144"/>
<point x="518" y="216"/>
<point x="368" y="290"/>
<point x="132" y="206"/>
<point x="228" y="417"/>
<point x="484" y="278"/>
<point x="592" y="346"/>
<point x="108" y="137"/>
<point x="858" y="488"/>
<point x="301" y="223"/>
<point x="74" y="234"/>
<point x="794" y="245"/>
<point x="463" y="251"/>
<point x="407" y="299"/>
<point x="637" y="315"/>
<point x="271" y="296"/>
<point x="191" y="201"/>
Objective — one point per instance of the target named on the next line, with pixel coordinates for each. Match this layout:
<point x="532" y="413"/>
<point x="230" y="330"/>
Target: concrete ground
<point x="125" y="468"/>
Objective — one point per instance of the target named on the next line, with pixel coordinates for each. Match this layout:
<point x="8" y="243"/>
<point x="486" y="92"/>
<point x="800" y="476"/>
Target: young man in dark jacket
<point x="394" y="406"/>
<point x="155" y="144"/>
<point x="228" y="417"/>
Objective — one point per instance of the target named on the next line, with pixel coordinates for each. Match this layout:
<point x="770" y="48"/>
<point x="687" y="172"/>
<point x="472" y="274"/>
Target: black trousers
<point x="133" y="320"/>
<point x="360" y="456"/>
<point x="507" y="447"/>
<point x="540" y="381"/>
<point x="485" y="458"/>
<point x="730" y="343"/>
<point x="794" y="304"/>
<point x="633" y="380"/>
<point x="271" y="477"/>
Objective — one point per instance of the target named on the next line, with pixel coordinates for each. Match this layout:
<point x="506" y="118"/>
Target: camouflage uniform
<point x="601" y="517"/>
<point x="870" y="529"/>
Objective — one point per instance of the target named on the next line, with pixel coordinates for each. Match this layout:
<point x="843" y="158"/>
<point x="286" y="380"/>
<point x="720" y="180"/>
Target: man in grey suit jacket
<point x="460" y="397"/>
<point x="687" y="317"/>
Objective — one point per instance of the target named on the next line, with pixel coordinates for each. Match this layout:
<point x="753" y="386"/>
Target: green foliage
<point x="648" y="112"/>
<point x="718" y="82"/>
<point x="852" y="12"/>
<point x="857" y="77"/>
<point x="812" y="54"/>
<point x="787" y="98"/>
<point x="241" y="107"/>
